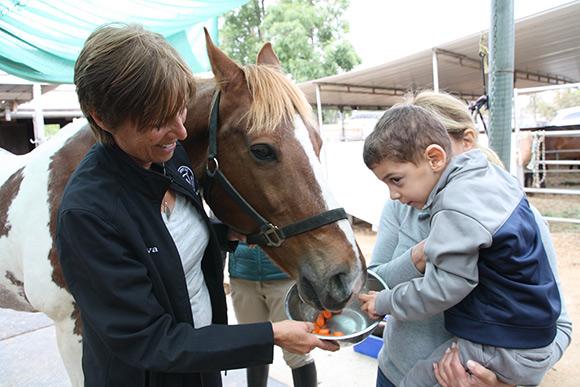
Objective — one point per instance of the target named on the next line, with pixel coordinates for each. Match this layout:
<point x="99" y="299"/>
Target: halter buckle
<point x="272" y="235"/>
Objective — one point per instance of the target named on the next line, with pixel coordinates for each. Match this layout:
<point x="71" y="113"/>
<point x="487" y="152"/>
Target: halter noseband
<point x="269" y="234"/>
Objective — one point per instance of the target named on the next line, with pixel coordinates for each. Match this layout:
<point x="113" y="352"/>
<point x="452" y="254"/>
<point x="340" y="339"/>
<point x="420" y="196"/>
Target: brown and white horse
<point x="267" y="148"/>
<point x="556" y="147"/>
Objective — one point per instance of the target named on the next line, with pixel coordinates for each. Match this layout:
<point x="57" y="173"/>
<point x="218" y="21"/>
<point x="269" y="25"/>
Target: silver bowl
<point x="352" y="321"/>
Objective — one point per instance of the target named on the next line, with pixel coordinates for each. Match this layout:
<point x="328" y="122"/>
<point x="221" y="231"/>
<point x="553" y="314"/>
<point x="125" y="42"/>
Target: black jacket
<point x="125" y="274"/>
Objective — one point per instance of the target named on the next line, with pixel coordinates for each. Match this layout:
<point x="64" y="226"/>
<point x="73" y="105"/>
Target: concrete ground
<point x="29" y="358"/>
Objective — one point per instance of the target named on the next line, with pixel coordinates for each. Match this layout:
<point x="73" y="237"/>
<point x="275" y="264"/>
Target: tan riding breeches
<point x="256" y="301"/>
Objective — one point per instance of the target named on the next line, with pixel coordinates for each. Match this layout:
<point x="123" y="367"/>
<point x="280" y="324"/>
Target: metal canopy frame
<point x="546" y="53"/>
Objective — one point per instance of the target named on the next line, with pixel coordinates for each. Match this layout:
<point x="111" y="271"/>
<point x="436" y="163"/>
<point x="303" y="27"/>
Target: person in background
<point x="137" y="250"/>
<point x="401" y="231"/>
<point x="259" y="290"/>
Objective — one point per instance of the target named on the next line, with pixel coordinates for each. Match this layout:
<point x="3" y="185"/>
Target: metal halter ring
<point x="210" y="172"/>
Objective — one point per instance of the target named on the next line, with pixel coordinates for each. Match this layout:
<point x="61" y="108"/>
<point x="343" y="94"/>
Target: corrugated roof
<point x="547" y="51"/>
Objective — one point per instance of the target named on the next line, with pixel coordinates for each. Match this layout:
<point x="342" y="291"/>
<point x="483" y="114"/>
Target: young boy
<point x="485" y="263"/>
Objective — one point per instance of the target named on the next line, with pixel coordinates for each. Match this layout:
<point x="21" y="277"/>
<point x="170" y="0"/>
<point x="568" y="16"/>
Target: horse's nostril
<point x="339" y="288"/>
<point x="309" y="292"/>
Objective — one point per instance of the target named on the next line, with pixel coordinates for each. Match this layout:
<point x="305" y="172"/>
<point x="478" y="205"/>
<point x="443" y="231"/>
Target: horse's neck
<point x="197" y="124"/>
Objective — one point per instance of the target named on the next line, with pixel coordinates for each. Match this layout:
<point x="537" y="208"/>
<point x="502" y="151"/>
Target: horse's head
<point x="268" y="148"/>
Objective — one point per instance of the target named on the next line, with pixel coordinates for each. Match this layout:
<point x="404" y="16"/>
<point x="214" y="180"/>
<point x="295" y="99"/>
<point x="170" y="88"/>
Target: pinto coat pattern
<point x="325" y="261"/>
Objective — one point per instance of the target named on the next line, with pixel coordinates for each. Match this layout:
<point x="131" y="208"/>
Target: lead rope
<point x="483" y="101"/>
<point x="538" y="155"/>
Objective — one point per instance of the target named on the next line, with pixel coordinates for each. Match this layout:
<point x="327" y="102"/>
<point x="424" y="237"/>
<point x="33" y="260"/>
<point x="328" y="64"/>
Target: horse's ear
<point x="225" y="70"/>
<point x="267" y="56"/>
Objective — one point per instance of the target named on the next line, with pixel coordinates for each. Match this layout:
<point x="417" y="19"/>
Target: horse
<point x="556" y="147"/>
<point x="258" y="160"/>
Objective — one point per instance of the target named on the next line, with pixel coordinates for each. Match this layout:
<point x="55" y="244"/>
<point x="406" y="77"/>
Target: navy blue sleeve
<point x="116" y="299"/>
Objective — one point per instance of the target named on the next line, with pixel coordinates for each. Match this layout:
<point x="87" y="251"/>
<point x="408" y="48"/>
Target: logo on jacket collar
<point x="187" y="174"/>
<point x="152" y="250"/>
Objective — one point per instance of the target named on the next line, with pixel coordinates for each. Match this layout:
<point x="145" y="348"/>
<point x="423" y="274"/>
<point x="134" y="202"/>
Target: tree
<point x="544" y="107"/>
<point x="308" y="35"/>
<point x="567" y="98"/>
<point x="241" y="35"/>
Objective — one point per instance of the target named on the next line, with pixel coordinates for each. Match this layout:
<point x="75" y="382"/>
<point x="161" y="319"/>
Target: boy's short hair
<point x="402" y="135"/>
<point x="126" y="73"/>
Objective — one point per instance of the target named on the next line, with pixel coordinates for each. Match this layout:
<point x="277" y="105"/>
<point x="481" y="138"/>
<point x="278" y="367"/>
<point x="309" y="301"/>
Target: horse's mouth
<point x="309" y="296"/>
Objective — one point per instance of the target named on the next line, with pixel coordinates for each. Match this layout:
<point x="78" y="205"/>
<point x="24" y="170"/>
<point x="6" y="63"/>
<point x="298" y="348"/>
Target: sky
<point x="383" y="30"/>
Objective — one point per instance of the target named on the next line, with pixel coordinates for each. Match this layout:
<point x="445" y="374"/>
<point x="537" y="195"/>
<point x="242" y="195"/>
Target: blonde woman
<point x="396" y="260"/>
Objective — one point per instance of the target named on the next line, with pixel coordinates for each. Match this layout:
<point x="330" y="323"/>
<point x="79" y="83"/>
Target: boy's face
<point x="409" y="183"/>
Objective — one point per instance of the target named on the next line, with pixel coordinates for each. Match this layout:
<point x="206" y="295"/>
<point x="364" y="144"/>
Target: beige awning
<point x="547" y="51"/>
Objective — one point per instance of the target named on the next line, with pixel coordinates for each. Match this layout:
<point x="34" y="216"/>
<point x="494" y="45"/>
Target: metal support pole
<point x="341" y="115"/>
<point x="516" y="169"/>
<point x="501" y="77"/>
<point x="435" y="71"/>
<point x="319" y="109"/>
<point x="38" y="119"/>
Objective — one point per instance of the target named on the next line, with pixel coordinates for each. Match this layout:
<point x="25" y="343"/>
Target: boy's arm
<point x="393" y="270"/>
<point x="452" y="250"/>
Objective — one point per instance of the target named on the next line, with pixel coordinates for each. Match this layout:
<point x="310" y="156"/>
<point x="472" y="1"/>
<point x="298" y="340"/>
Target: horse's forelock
<point x="275" y="99"/>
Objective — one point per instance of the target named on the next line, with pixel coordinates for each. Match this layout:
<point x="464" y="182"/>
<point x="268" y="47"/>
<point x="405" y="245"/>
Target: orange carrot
<point x="338" y="333"/>
<point x="320" y="321"/>
<point x="327" y="314"/>
<point x="324" y="332"/>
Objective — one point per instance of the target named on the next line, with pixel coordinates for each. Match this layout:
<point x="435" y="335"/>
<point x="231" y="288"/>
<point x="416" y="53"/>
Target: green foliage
<point x="307" y="35"/>
<point x="51" y="129"/>
<point x="547" y="106"/>
<point x="241" y="35"/>
<point x="567" y="98"/>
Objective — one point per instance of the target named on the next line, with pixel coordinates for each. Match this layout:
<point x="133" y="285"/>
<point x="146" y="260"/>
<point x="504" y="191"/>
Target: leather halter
<point x="269" y="234"/>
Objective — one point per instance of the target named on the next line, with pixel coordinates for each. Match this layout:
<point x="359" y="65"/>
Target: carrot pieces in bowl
<point x="320" y="327"/>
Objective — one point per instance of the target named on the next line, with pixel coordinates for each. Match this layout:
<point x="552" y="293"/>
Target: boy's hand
<point x="368" y="304"/>
<point x="418" y="256"/>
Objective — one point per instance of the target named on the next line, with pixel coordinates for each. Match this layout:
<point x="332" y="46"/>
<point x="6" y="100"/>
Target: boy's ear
<point x="437" y="157"/>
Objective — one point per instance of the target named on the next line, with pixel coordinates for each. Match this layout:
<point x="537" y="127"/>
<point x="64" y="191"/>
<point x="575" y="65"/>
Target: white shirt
<point x="191" y="236"/>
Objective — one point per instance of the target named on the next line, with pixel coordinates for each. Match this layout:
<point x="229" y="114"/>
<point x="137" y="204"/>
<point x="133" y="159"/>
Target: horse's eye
<point x="263" y="152"/>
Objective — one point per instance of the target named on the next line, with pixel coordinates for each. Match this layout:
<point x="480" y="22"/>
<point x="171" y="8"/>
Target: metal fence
<point x="538" y="164"/>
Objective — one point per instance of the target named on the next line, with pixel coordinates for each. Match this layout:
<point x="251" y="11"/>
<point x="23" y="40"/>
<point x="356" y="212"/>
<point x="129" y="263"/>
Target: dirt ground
<point x="566" y="240"/>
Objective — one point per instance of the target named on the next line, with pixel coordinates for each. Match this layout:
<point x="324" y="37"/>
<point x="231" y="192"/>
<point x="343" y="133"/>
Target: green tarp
<point x="40" y="40"/>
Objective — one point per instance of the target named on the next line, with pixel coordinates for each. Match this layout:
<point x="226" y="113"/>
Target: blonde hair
<point x="126" y="73"/>
<point x="276" y="99"/>
<point x="454" y="115"/>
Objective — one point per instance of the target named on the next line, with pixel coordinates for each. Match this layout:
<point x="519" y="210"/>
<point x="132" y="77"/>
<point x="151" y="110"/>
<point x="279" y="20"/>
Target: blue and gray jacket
<point x="486" y="264"/>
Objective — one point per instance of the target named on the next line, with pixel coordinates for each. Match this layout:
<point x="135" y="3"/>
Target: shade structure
<point x="547" y="52"/>
<point x="41" y="39"/>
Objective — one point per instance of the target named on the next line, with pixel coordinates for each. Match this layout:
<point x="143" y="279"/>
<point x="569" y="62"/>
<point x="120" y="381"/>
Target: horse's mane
<point x="276" y="99"/>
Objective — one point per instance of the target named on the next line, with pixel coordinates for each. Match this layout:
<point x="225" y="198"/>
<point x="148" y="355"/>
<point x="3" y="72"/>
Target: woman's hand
<point x="418" y="256"/>
<point x="450" y="372"/>
<point x="296" y="337"/>
<point x="368" y="304"/>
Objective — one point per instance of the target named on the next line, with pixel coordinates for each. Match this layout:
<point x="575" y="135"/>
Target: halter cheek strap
<point x="268" y="234"/>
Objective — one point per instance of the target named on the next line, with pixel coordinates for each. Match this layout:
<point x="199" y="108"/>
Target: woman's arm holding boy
<point x="393" y="269"/>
